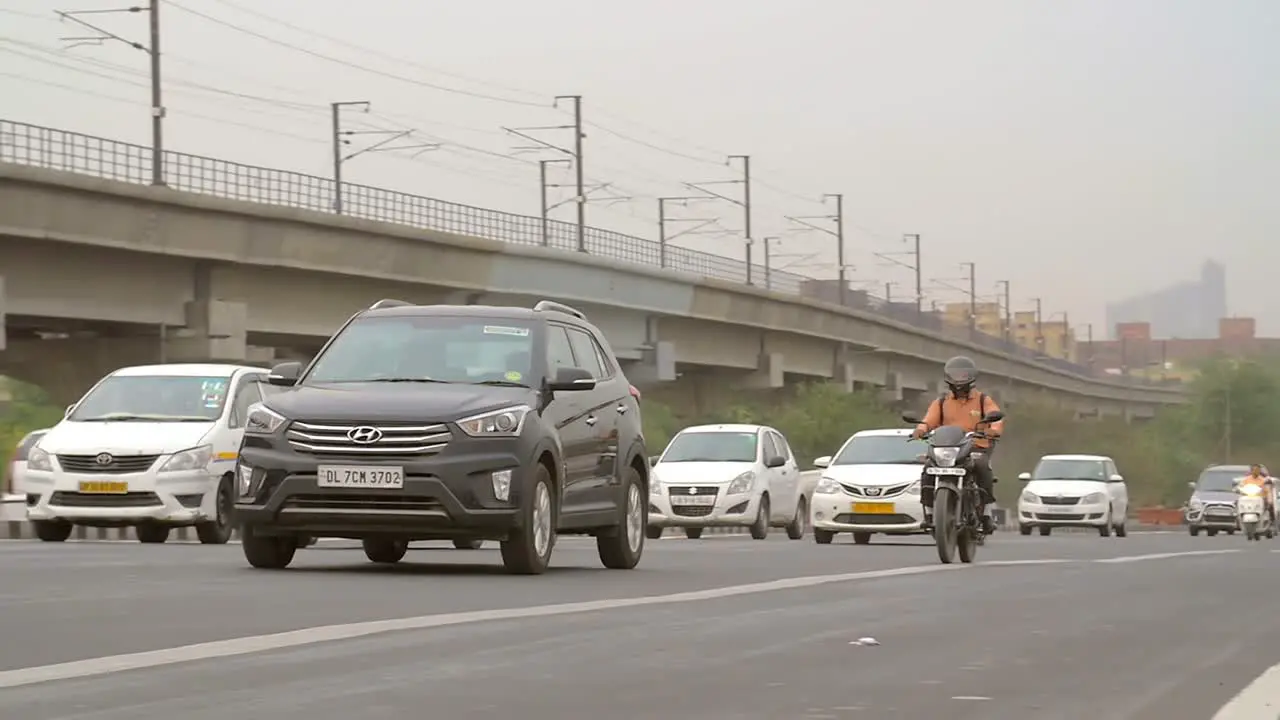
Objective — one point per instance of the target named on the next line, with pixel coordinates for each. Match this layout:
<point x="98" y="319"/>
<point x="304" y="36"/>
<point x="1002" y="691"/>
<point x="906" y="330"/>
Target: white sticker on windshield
<point x="503" y="330"/>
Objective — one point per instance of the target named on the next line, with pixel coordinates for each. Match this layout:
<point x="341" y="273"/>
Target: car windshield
<point x="1058" y="469"/>
<point x="707" y="446"/>
<point x="154" y="398"/>
<point x="428" y="349"/>
<point x="881" y="450"/>
<point x="1219" y="480"/>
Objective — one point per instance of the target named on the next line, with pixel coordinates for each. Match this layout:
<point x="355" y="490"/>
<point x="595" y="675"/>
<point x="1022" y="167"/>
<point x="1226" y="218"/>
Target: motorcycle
<point x="1252" y="510"/>
<point x="957" y="498"/>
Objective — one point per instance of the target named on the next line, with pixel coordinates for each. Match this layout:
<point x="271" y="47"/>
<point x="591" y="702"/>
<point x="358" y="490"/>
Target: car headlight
<point x="507" y="422"/>
<point x="914" y="489"/>
<point x="1195" y="504"/>
<point x="827" y="486"/>
<point x="193" y="459"/>
<point x="742" y="483"/>
<point x="945" y="456"/>
<point x="655" y="485"/>
<point x="1092" y="498"/>
<point x="1029" y="497"/>
<point x="40" y="460"/>
<point x="262" y="420"/>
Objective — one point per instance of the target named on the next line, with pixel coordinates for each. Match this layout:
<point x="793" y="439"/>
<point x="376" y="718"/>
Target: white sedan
<point x="1073" y="491"/>
<point x="872" y="485"/>
<point x="13" y="493"/>
<point x="727" y="476"/>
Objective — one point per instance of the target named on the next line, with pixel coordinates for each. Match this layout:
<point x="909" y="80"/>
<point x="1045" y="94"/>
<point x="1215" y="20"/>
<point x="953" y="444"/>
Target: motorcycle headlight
<point x="827" y="486"/>
<point x="507" y="422"/>
<point x="914" y="489"/>
<point x="1251" y="490"/>
<point x="192" y="459"/>
<point x="1092" y="498"/>
<point x="1195" y="504"/>
<point x="262" y="420"/>
<point x="40" y="460"/>
<point x="1029" y="497"/>
<point x="945" y="456"/>
<point x="742" y="483"/>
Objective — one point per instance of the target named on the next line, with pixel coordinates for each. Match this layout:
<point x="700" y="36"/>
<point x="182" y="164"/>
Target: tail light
<point x="635" y="393"/>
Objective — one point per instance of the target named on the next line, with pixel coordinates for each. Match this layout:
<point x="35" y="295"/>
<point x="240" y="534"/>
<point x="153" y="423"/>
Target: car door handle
<point x="622" y="409"/>
<point x="591" y="420"/>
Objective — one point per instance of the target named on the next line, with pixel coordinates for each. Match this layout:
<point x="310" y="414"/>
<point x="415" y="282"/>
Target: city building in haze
<point x="1138" y="352"/>
<point x="1189" y="310"/>
<point x="1051" y="338"/>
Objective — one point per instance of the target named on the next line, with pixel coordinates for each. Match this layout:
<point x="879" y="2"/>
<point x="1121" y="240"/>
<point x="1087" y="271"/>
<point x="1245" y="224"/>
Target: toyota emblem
<point x="693" y="491"/>
<point x="104" y="459"/>
<point x="873" y="491"/>
<point x="364" y="435"/>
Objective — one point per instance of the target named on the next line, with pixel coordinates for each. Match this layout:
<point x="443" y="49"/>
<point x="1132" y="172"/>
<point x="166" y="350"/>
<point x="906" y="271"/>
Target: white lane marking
<point x="1162" y="556"/>
<point x="1259" y="701"/>
<point x="327" y="633"/>
<point x="969" y="697"/>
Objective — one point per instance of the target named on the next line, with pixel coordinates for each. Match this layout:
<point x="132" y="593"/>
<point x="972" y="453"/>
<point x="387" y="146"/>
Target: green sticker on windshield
<point x="513" y="376"/>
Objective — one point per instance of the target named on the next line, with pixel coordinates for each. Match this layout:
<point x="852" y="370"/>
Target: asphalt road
<point x="1151" y="626"/>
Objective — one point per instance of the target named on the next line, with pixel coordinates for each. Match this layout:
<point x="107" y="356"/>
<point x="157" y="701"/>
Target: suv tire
<point x="386" y="551"/>
<point x="621" y="547"/>
<point x="267" y="552"/>
<point x="527" y="549"/>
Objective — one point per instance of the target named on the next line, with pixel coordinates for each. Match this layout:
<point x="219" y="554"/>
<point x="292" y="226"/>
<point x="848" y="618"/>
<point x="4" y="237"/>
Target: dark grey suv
<point x="463" y="423"/>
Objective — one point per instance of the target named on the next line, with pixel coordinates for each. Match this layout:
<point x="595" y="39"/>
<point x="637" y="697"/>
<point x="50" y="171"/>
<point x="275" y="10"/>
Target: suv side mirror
<point x="1191" y="485"/>
<point x="285" y="374"/>
<point x="1024" y="477"/>
<point x="572" y="378"/>
<point x="993" y="416"/>
<point x="1116" y="478"/>
<point x="822" y="462"/>
<point x="909" y="418"/>
<point x="775" y="461"/>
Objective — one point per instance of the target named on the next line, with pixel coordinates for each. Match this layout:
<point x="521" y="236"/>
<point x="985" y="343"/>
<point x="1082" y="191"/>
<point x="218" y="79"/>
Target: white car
<point x="727" y="476"/>
<point x="150" y="447"/>
<point x="13" y="492"/>
<point x="1073" y="491"/>
<point x="872" y="485"/>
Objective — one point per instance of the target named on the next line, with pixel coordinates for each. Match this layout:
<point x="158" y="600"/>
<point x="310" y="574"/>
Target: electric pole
<point x="542" y="191"/>
<point x="973" y="296"/>
<point x="838" y="234"/>
<point x="745" y="202"/>
<point x="153" y="50"/>
<point x="581" y="199"/>
<point x="1008" y="319"/>
<point x="768" y="284"/>
<point x="1039" y="328"/>
<point x="663" y="238"/>
<point x="919" y="281"/>
<point x="339" y="140"/>
<point x="914" y="267"/>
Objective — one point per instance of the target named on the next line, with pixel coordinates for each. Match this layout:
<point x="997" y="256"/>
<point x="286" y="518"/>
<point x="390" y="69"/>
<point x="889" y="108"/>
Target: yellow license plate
<point x="873" y="508"/>
<point x="102" y="487"/>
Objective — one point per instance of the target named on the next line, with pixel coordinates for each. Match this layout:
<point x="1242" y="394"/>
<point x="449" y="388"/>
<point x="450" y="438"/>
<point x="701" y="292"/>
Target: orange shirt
<point x="965" y="413"/>
<point x="1257" y="480"/>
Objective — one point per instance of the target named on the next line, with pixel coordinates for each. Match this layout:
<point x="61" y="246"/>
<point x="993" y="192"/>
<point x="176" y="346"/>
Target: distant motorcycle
<point x="1251" y="508"/>
<point x="957" y="498"/>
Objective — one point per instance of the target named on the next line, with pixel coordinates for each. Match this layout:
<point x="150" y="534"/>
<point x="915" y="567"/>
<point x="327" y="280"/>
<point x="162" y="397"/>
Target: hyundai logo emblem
<point x="104" y="459"/>
<point x="693" y="491"/>
<point x="364" y="435"/>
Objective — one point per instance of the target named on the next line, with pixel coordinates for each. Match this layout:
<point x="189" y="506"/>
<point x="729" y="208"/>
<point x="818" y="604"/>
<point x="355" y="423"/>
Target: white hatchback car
<point x="872" y="485"/>
<point x="1073" y="491"/>
<point x="150" y="447"/>
<point x="727" y="476"/>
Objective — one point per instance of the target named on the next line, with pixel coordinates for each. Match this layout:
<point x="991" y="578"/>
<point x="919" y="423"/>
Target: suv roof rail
<point x="389" y="303"/>
<point x="559" y="307"/>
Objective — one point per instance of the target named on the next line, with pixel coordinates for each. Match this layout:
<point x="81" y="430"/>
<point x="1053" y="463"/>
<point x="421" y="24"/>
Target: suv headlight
<point x="192" y="459"/>
<point x="827" y="486"/>
<point x="945" y="456"/>
<point x="1028" y="497"/>
<point x="507" y="422"/>
<point x="262" y="420"/>
<point x="40" y="460"/>
<point x="1195" y="504"/>
<point x="1092" y="498"/>
<point x="742" y="483"/>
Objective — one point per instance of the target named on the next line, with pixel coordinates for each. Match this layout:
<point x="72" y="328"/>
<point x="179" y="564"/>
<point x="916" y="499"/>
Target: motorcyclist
<point x="1261" y="480"/>
<point x="964" y="407"/>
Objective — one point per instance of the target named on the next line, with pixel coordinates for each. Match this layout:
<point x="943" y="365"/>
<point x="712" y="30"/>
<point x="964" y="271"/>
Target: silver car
<point x="1212" y="506"/>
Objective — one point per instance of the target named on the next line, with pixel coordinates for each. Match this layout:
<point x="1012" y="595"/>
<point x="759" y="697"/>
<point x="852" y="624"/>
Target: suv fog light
<point x="245" y="475"/>
<point x="502" y="485"/>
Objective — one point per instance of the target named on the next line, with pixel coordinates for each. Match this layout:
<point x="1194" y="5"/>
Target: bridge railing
<point x="51" y="148"/>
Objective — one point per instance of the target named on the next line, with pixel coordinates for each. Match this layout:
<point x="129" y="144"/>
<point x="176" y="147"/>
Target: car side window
<point x="602" y="356"/>
<point x="247" y="394"/>
<point x="584" y="350"/>
<point x="559" y="351"/>
<point x="768" y="446"/>
<point x="783" y="448"/>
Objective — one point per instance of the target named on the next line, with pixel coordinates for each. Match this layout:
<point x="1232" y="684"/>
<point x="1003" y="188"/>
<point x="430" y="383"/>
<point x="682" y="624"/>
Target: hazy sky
<point x="1086" y="149"/>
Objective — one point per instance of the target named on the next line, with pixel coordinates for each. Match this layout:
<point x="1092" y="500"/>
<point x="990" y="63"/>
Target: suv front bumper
<point x="445" y="496"/>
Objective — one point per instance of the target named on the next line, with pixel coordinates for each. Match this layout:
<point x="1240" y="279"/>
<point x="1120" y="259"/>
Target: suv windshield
<point x="881" y="450"/>
<point x="428" y="348"/>
<point x="1218" y="480"/>
<point x="706" y="446"/>
<point x="154" y="398"/>
<point x="1056" y="469"/>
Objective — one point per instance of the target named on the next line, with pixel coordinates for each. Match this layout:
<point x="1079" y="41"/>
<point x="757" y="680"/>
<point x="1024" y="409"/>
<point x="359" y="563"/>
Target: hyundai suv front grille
<point x="316" y="438"/>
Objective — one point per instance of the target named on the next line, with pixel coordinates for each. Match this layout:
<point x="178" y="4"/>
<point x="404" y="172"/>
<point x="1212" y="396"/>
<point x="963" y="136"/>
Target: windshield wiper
<point x="501" y="383"/>
<point x="125" y="417"/>
<point x="403" y="380"/>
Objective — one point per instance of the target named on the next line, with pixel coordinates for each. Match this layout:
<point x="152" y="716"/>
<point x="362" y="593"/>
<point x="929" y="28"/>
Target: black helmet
<point x="960" y="374"/>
